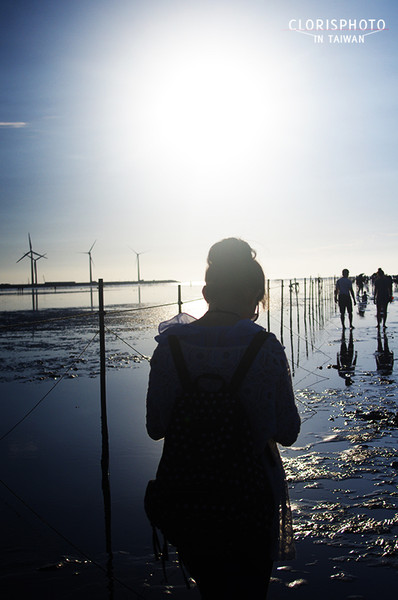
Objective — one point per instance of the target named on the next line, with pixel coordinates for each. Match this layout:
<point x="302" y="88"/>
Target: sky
<point x="163" y="126"/>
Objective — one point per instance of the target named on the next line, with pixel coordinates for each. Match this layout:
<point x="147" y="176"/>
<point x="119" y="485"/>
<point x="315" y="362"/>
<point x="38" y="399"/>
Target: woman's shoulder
<point x="186" y="328"/>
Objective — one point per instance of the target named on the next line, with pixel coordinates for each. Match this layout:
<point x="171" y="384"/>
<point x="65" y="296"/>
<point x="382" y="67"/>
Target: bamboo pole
<point x="282" y="311"/>
<point x="296" y="289"/>
<point x="179" y="299"/>
<point x="305" y="318"/>
<point x="291" y="325"/>
<point x="106" y="490"/>
<point x="305" y="299"/>
<point x="101" y="314"/>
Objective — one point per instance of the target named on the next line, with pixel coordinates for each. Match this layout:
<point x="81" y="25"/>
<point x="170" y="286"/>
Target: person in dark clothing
<point x="382" y="296"/>
<point x="343" y="294"/>
<point x="236" y="564"/>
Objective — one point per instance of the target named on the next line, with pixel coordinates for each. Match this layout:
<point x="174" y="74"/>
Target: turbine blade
<point x="27" y="254"/>
<point x="92" y="246"/>
<point x="30" y="242"/>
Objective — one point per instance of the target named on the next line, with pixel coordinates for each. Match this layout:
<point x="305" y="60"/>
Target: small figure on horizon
<point x="359" y="280"/>
<point x="342" y="294"/>
<point x="382" y="296"/>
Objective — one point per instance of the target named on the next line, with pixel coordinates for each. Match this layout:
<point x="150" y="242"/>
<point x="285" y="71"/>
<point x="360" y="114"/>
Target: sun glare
<point x="196" y="99"/>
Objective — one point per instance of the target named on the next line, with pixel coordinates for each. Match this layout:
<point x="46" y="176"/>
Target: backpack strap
<point x="243" y="367"/>
<point x="179" y="362"/>
<point x="248" y="358"/>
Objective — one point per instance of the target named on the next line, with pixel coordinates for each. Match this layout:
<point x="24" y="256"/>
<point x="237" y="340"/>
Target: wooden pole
<point x="179" y="299"/>
<point x="101" y="314"/>
<point x="296" y="288"/>
<point x="106" y="490"/>
<point x="291" y="324"/>
<point x="282" y="311"/>
<point x="305" y="317"/>
<point x="305" y="299"/>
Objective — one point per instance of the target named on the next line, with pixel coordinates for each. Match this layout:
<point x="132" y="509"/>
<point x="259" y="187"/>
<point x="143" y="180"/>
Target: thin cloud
<point x="13" y="124"/>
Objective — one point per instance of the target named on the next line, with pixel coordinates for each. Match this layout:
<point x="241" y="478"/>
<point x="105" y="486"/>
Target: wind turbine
<point x="90" y="262"/>
<point x="33" y="260"/>
<point x="35" y="267"/>
<point x="138" y="254"/>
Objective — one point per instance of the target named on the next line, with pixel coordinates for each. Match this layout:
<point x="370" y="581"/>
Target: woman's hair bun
<point x="230" y="251"/>
<point x="232" y="268"/>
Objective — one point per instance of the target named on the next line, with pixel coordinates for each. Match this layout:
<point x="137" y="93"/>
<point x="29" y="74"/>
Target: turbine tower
<point x="32" y="254"/>
<point x="138" y="254"/>
<point x="90" y="263"/>
<point x="35" y="267"/>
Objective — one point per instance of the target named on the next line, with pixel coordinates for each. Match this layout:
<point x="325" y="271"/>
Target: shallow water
<point x="342" y="471"/>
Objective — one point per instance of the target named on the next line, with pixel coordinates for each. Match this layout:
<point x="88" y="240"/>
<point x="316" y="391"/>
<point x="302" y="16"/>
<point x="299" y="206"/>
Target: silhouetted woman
<point x="238" y="564"/>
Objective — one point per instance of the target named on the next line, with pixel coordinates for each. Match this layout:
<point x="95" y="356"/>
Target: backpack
<point x="210" y="485"/>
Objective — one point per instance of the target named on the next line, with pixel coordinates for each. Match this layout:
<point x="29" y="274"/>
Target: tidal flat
<point x="65" y="536"/>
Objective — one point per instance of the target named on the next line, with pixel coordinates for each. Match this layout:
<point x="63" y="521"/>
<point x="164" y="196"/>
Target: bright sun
<point x="198" y="97"/>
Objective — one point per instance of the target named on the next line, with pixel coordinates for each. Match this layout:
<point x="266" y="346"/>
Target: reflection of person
<point x="359" y="280"/>
<point x="343" y="294"/>
<point x="382" y="296"/>
<point x="346" y="359"/>
<point x="384" y="356"/>
<point x="240" y="565"/>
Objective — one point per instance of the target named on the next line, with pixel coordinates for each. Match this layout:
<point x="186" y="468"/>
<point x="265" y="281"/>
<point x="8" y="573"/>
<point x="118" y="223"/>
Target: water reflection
<point x="384" y="356"/>
<point x="342" y="491"/>
<point x="346" y="358"/>
<point x="362" y="304"/>
<point x="35" y="299"/>
<point x="106" y="492"/>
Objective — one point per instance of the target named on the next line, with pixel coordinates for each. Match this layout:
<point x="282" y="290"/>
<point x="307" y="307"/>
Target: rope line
<point x="137" y="308"/>
<point x="41" y="321"/>
<point x="68" y="541"/>
<point x="92" y="314"/>
<point x="50" y="390"/>
<point x="148" y="358"/>
<point x="300" y="337"/>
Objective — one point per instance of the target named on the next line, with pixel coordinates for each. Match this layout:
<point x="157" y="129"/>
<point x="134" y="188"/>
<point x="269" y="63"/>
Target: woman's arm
<point x="287" y="416"/>
<point x="163" y="386"/>
<point x="159" y="400"/>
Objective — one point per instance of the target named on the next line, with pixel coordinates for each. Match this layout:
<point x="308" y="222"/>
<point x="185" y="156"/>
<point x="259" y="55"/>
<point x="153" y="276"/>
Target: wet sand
<point x="342" y="474"/>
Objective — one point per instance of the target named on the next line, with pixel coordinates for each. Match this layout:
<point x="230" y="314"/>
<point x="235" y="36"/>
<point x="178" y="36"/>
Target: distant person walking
<point x="359" y="281"/>
<point x="382" y="296"/>
<point x="343" y="294"/>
